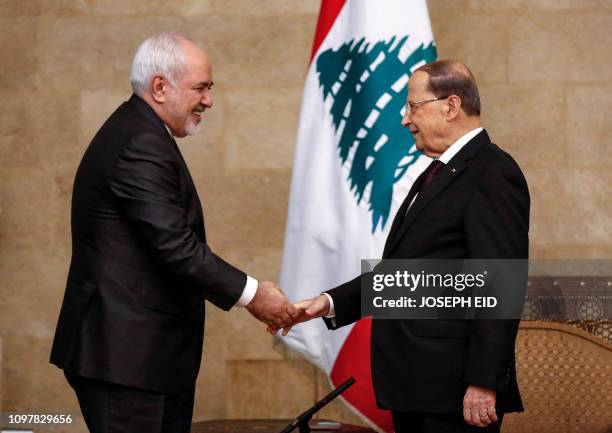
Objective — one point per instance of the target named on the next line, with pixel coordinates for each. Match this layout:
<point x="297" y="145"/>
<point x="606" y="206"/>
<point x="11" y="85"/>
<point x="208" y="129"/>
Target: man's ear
<point x="158" y="89"/>
<point x="454" y="107"/>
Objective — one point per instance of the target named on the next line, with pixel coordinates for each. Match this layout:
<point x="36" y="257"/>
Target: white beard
<point x="191" y="127"/>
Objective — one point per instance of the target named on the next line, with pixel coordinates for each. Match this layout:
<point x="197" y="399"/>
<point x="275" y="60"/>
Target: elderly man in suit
<point x="472" y="202"/>
<point x="130" y="331"/>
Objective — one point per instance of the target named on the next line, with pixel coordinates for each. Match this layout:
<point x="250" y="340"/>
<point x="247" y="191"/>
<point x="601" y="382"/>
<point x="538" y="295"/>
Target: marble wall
<point x="545" y="79"/>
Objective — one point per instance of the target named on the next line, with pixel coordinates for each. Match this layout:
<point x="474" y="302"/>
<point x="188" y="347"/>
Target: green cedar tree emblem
<point x="364" y="86"/>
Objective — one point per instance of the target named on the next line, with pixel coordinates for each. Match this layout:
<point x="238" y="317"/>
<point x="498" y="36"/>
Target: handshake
<point x="271" y="306"/>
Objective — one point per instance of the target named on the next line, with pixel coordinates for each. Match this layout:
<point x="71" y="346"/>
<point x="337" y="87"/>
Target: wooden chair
<point x="565" y="377"/>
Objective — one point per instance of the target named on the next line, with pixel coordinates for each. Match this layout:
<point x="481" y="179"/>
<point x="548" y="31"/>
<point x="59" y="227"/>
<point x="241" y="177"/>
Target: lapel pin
<point x="453" y="170"/>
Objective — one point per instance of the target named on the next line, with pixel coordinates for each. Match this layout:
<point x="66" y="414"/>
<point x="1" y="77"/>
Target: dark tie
<point x="428" y="176"/>
<point x="430" y="173"/>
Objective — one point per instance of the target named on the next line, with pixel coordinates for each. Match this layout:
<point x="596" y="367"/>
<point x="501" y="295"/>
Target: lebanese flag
<point x="354" y="164"/>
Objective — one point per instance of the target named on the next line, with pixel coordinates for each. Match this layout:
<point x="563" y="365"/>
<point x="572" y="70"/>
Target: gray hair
<point x="451" y="77"/>
<point x="159" y="55"/>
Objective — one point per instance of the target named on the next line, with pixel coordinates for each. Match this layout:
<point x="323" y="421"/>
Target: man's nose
<point x="406" y="120"/>
<point x="207" y="100"/>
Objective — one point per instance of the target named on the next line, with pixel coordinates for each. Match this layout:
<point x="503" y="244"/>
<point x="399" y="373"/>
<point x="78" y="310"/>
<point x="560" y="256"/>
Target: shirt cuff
<point x="250" y="288"/>
<point x="332" y="311"/>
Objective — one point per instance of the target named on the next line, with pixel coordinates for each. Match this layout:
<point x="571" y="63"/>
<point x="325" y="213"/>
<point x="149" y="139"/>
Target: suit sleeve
<point x="347" y="298"/>
<point x="496" y="227"/>
<point x="347" y="303"/>
<point x="144" y="183"/>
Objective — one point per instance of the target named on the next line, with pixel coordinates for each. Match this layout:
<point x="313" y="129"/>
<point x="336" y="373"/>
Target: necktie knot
<point x="430" y="173"/>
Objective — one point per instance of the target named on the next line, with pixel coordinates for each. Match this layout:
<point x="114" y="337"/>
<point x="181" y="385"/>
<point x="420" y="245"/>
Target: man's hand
<point x="306" y="310"/>
<point x="271" y="306"/>
<point x="479" y="406"/>
<point x="312" y="308"/>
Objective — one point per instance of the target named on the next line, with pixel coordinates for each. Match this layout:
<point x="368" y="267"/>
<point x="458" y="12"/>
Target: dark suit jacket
<point x="133" y="311"/>
<point x="478" y="211"/>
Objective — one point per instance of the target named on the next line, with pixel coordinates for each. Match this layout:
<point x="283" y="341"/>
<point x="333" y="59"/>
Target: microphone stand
<point x="301" y="422"/>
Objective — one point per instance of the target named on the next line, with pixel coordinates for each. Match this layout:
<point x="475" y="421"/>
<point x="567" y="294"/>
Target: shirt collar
<point x="169" y="132"/>
<point x="458" y="145"/>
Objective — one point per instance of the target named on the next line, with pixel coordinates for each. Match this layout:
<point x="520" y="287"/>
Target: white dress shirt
<point x="458" y="145"/>
<point x="445" y="158"/>
<point x="248" y="293"/>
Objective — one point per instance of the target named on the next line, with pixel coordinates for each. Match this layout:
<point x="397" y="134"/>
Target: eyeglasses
<point x="410" y="106"/>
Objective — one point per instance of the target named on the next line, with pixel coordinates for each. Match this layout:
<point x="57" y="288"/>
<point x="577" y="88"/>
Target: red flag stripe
<point x="327" y="16"/>
<point x="354" y="360"/>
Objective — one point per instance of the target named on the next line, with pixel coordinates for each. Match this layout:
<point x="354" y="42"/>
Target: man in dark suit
<point x="472" y="202"/>
<point x="130" y="331"/>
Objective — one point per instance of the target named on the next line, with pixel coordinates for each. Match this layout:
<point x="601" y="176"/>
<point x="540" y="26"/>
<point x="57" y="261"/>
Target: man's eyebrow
<point x="208" y="84"/>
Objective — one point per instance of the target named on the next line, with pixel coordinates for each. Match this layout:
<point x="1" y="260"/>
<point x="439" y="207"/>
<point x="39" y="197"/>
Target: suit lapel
<point x="442" y="180"/>
<point x="183" y="163"/>
<point x="149" y="114"/>
<point x="193" y="193"/>
<point x="401" y="212"/>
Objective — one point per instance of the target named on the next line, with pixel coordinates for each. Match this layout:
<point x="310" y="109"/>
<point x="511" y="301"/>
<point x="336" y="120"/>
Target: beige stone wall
<point x="545" y="78"/>
<point x="1" y="384"/>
